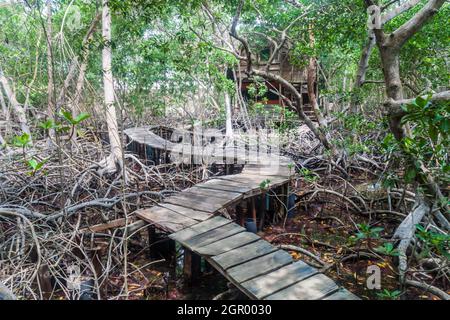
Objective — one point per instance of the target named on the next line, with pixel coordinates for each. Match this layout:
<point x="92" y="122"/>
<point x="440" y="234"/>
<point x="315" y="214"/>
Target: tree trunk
<point x="311" y="82"/>
<point x="50" y="86"/>
<point x="18" y="109"/>
<point x="116" y="156"/>
<point x="5" y="111"/>
<point x="391" y="70"/>
<point x="82" y="71"/>
<point x="229" y="125"/>
<point x="362" y="70"/>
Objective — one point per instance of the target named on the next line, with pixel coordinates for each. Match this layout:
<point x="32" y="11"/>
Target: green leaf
<point x="264" y="184"/>
<point x="48" y="124"/>
<point x="33" y="164"/>
<point x="22" y="141"/>
<point x="81" y="117"/>
<point x="67" y="115"/>
<point x="421" y="102"/>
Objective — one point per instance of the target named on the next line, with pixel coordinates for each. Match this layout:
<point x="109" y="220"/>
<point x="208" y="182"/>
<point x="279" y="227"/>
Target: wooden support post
<point x="191" y="267"/>
<point x="240" y="214"/>
<point x="151" y="241"/>
<point x="253" y="208"/>
<point x="285" y="191"/>
<point x="262" y="210"/>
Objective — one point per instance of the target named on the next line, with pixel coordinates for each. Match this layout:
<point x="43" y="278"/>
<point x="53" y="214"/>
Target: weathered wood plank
<point x="254" y="179"/>
<point x="342" y="294"/>
<point x="243" y="254"/>
<point x="259" y="266"/>
<point x="228" y="195"/>
<point x="165" y="218"/>
<point x="187" y="212"/>
<point x="199" y="204"/>
<point x="230" y="243"/>
<point x="313" y="288"/>
<point x="268" y="284"/>
<point x="212" y="236"/>
<point x="199" y="228"/>
<point x="270" y="169"/>
<point x="217" y="184"/>
<point x="203" y="198"/>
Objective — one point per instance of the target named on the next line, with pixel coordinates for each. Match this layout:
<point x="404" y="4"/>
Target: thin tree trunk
<point x="82" y="71"/>
<point x="18" y="109"/>
<point x="311" y="83"/>
<point x="50" y="86"/>
<point x="6" y="113"/>
<point x="108" y="85"/>
<point x="362" y="70"/>
<point x="229" y="126"/>
<point x="79" y="59"/>
<point x="368" y="48"/>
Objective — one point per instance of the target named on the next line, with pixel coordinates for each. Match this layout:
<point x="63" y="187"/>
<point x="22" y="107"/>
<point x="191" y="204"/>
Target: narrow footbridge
<point x="254" y="266"/>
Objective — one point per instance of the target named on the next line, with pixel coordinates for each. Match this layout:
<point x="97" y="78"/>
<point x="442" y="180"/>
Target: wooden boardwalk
<point x="253" y="265"/>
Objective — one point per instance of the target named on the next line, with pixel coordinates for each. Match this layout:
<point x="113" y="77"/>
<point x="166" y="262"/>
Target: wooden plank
<point x="228" y="182"/>
<point x="254" y="181"/>
<point x="208" y="199"/>
<point x="259" y="266"/>
<point x="200" y="228"/>
<point x="268" y="284"/>
<point x="199" y="204"/>
<point x="165" y="219"/>
<point x="220" y="185"/>
<point x="313" y="288"/>
<point x="211" y="236"/>
<point x="270" y="169"/>
<point x="243" y="254"/>
<point x="229" y="195"/>
<point x="187" y="212"/>
<point x="230" y="243"/>
<point x="342" y="294"/>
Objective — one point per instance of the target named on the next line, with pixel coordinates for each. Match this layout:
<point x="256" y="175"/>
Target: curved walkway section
<point x="253" y="265"/>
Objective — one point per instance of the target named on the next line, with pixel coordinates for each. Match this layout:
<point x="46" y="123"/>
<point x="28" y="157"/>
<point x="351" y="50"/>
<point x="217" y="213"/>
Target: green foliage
<point x="308" y="175"/>
<point x="22" y="141"/>
<point x="356" y="123"/>
<point x="386" y="294"/>
<point x="67" y="115"/>
<point x="389" y="144"/>
<point x="264" y="185"/>
<point x="430" y="138"/>
<point x="367" y="232"/>
<point x="432" y="117"/>
<point x="48" y="124"/>
<point x="433" y="241"/>
<point x="35" y="165"/>
<point x="388" y="249"/>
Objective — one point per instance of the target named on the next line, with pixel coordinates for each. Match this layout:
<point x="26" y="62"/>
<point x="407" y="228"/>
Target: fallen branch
<point x="305" y="252"/>
<point x="436" y="291"/>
